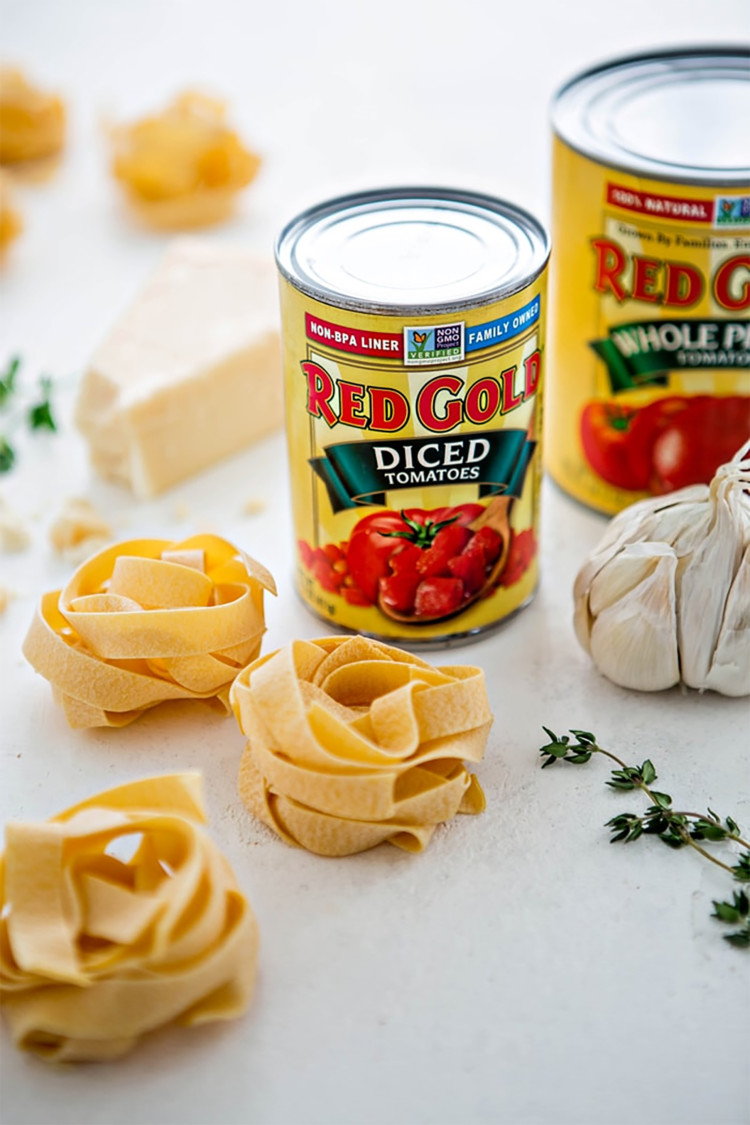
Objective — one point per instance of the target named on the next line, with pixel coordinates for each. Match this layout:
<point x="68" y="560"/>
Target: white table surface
<point x="521" y="969"/>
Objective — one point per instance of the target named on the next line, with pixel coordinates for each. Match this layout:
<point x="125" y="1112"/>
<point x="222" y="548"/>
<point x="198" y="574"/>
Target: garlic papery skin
<point x="730" y="667"/>
<point x="665" y="596"/>
<point x="704" y="581"/>
<point x="633" y="639"/>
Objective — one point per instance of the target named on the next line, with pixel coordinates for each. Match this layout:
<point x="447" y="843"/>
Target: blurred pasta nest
<point x="147" y="621"/>
<point x="182" y="167"/>
<point x="11" y="223"/>
<point x="98" y="948"/>
<point x="352" y="743"/>
<point x="32" y="121"/>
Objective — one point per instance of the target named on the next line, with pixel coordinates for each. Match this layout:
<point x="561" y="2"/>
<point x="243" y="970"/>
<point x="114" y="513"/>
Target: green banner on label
<point x="643" y="352"/>
<point x="361" y="472"/>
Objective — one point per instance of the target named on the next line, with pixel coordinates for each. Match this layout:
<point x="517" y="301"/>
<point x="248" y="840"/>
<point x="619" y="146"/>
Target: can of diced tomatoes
<point x="413" y="330"/>
<point x="649" y="383"/>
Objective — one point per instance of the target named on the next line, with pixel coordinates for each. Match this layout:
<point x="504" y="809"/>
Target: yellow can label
<point x="650" y="381"/>
<point x="415" y="462"/>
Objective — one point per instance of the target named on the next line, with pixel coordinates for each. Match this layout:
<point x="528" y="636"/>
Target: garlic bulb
<point x="665" y="597"/>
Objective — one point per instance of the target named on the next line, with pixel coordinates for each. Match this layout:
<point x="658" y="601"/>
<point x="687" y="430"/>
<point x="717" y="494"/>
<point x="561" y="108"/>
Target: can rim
<point x="304" y="220"/>
<point x="596" y="150"/>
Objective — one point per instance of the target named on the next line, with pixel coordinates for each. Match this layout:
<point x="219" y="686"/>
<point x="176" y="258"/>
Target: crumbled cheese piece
<point x="253" y="507"/>
<point x="194" y="557"/>
<point x="79" y="531"/>
<point x="190" y="374"/>
<point x="13" y="534"/>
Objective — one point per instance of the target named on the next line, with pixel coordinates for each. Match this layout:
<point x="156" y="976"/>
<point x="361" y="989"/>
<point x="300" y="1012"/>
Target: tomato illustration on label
<point x="422" y="565"/>
<point x="668" y="444"/>
<point x="614" y="445"/>
<point x="523" y="548"/>
<point x="691" y="442"/>
<point x="378" y="537"/>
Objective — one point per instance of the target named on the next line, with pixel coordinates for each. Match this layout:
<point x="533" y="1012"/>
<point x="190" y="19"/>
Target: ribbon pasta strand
<point x="98" y="949"/>
<point x="352" y="742"/>
<point x="147" y="621"/>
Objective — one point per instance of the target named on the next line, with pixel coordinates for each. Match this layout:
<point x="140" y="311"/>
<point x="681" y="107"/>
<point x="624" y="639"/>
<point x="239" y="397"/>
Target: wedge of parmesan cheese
<point x="190" y="373"/>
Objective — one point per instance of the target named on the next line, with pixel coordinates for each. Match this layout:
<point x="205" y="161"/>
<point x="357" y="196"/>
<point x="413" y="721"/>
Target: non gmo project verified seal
<point x="430" y="344"/>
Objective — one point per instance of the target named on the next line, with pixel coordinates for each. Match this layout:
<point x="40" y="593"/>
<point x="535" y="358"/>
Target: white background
<point x="521" y="970"/>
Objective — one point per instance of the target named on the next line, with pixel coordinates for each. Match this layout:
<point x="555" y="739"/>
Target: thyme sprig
<point x="676" y="828"/>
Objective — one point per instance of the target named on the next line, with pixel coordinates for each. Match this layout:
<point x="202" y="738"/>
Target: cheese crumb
<point x="13" y="534"/>
<point x="79" y="531"/>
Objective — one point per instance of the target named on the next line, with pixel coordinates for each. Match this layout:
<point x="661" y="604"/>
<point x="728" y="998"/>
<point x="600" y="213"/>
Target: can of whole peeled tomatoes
<point x="413" y="329"/>
<point x="649" y="386"/>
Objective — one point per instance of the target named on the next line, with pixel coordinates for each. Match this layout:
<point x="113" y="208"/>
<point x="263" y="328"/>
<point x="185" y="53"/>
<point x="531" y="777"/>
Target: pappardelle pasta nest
<point x="147" y="621"/>
<point x="32" y="121"/>
<point x="97" y="948"/>
<point x="182" y="167"/>
<point x="352" y="743"/>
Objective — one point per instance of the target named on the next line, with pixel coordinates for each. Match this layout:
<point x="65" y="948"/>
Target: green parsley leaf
<point x="7" y="455"/>
<point x="40" y="415"/>
<point x="8" y="380"/>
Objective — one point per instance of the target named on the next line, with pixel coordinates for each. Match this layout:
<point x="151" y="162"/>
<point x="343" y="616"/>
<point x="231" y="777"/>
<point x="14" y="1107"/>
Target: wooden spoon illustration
<point x="497" y="516"/>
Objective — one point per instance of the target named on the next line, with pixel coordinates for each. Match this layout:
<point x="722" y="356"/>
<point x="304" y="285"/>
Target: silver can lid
<point x="412" y="250"/>
<point x="681" y="115"/>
